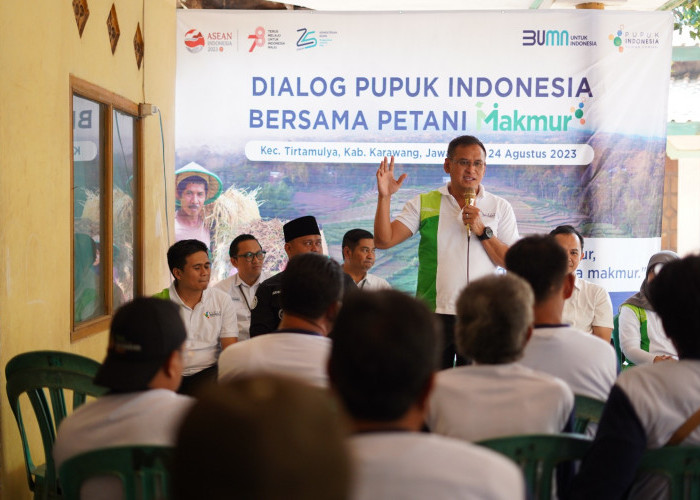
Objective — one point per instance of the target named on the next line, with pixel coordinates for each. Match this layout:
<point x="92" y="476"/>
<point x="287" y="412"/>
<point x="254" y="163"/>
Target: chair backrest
<point x="586" y="411"/>
<point x="680" y="464"/>
<point x="142" y="471"/>
<point x="53" y="373"/>
<point x="538" y="455"/>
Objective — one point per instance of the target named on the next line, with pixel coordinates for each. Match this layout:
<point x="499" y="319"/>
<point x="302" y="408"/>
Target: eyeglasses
<point x="248" y="256"/>
<point x="468" y="163"/>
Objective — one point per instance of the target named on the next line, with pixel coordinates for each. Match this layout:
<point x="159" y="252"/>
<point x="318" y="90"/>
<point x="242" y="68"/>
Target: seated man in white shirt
<point x="208" y="314"/>
<point x="650" y="406"/>
<point x="311" y="292"/>
<point x="589" y="308"/>
<point x="497" y="396"/>
<point x="247" y="257"/>
<point x="262" y="437"/>
<point x="586" y="362"/>
<point x="358" y="259"/>
<point x="382" y="365"/>
<point x="143" y="369"/>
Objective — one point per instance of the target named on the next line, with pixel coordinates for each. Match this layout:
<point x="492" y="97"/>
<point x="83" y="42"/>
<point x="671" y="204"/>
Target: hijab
<point x="641" y="298"/>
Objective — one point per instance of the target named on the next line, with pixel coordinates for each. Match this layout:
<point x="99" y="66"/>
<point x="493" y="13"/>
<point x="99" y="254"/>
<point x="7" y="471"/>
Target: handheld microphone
<point x="469" y="199"/>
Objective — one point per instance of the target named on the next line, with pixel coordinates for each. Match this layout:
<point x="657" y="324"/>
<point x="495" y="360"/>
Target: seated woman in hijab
<point x="642" y="337"/>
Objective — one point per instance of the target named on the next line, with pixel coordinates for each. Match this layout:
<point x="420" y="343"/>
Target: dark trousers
<point x="449" y="351"/>
<point x="192" y="384"/>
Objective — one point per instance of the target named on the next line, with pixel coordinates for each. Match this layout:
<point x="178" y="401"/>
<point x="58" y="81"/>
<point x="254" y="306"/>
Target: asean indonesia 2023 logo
<point x="194" y="41"/>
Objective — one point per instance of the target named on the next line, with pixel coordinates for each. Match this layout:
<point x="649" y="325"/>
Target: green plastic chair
<point x="142" y="470"/>
<point x="586" y="411"/>
<point x="53" y="373"/>
<point x="680" y="464"/>
<point x="538" y="455"/>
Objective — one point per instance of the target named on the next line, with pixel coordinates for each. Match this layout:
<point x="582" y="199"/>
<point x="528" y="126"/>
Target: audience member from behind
<point x="358" y="258"/>
<point x="208" y="313"/>
<point x="497" y="396"/>
<point x="642" y="337"/>
<point x="382" y="364"/>
<point x="247" y="257"/>
<point x="262" y="438"/>
<point x="143" y="369"/>
<point x="301" y="236"/>
<point x="589" y="308"/>
<point x="587" y="363"/>
<point x="649" y="404"/>
<point x="312" y="290"/>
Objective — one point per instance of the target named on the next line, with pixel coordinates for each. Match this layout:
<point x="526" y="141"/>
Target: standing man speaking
<point x="450" y="254"/>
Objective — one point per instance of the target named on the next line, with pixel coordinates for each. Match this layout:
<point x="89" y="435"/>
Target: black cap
<point x="144" y="333"/>
<point x="303" y="226"/>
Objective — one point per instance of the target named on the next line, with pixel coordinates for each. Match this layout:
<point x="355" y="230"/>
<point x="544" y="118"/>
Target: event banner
<point x="292" y="111"/>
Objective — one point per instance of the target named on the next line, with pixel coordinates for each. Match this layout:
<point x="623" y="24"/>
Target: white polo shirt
<point x="212" y="318"/>
<point x="588" y="306"/>
<point x="243" y="296"/>
<point x="419" y="466"/>
<point x="586" y="362"/>
<point x="149" y="417"/>
<point x="373" y="282"/>
<point x="300" y="355"/>
<point x="479" y="402"/>
<point x="631" y="338"/>
<point x="453" y="250"/>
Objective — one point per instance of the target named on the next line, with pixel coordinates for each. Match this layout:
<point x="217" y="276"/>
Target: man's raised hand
<point x="386" y="183"/>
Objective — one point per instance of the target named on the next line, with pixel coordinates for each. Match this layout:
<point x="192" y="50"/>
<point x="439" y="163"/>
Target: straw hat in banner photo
<point x="192" y="169"/>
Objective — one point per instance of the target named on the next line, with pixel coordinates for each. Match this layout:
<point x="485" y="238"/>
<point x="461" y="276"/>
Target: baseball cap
<point x="143" y="334"/>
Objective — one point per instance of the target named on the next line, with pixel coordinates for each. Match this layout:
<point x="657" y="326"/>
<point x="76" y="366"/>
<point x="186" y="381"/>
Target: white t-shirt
<point x="243" y="297"/>
<point x="585" y="362"/>
<point x="213" y="318"/>
<point x="149" y="417"/>
<point x="588" y="306"/>
<point x="631" y="337"/>
<point x="373" y="282"/>
<point x="300" y="355"/>
<point x="412" y="465"/>
<point x="480" y="402"/>
<point x="452" y="242"/>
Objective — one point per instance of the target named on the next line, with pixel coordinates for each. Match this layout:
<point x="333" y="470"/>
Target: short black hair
<point x="384" y="352"/>
<point x="540" y="261"/>
<point x="192" y="179"/>
<point x="352" y="238"/>
<point x="464" y="140"/>
<point x="233" y="249"/>
<point x="180" y="250"/>
<point x="310" y="284"/>
<point x="567" y="229"/>
<point x="675" y="295"/>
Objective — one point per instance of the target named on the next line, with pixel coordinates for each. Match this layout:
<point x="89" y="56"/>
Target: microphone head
<point x="470" y="195"/>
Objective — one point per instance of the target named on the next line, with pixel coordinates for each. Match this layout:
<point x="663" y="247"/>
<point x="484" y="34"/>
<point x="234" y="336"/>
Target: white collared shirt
<point x="373" y="282"/>
<point x="211" y="319"/>
<point x="588" y="306"/>
<point x="243" y="297"/>
<point x="453" y="249"/>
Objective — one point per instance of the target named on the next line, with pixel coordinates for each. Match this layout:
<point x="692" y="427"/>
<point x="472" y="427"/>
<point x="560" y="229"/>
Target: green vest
<point x="644" y="336"/>
<point x="163" y="294"/>
<point x="428" y="246"/>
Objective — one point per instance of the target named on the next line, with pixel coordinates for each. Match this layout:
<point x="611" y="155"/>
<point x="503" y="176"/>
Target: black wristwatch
<point x="486" y="235"/>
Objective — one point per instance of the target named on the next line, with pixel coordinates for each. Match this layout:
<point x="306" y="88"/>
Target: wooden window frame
<point x="111" y="102"/>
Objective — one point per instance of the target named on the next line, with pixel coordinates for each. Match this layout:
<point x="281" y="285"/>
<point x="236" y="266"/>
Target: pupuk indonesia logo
<point x="194" y="41"/>
<point x="616" y="39"/>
